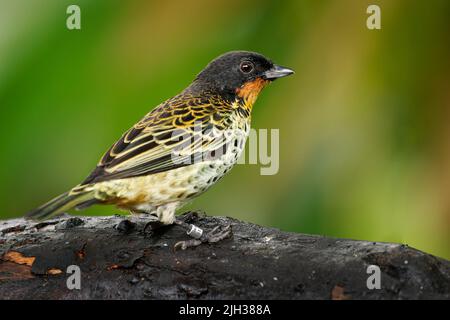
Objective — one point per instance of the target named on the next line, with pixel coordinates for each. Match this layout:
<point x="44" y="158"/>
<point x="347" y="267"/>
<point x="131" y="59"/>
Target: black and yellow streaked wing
<point x="179" y="132"/>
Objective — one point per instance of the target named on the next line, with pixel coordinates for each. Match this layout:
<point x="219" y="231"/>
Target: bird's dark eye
<point x="247" y="67"/>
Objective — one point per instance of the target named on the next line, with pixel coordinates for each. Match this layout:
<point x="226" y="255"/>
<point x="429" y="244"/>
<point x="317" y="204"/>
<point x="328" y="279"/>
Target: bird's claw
<point x="191" y="216"/>
<point x="211" y="237"/>
<point x="152" y="225"/>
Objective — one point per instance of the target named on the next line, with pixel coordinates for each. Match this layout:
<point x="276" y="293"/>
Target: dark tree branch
<point x="122" y="261"/>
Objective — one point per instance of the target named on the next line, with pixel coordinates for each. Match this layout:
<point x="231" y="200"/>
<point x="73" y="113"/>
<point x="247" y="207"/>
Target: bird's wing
<point x="180" y="132"/>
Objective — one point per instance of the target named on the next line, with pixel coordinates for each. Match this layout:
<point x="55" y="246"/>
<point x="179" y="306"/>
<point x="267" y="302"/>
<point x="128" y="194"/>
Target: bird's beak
<point x="277" y="72"/>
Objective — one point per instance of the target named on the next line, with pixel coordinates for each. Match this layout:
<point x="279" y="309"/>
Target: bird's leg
<point x="199" y="236"/>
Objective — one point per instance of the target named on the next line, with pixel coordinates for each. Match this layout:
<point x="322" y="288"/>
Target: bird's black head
<point x="238" y="73"/>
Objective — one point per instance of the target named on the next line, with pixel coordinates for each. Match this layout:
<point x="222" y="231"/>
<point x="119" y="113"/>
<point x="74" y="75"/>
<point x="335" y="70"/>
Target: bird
<point x="179" y="149"/>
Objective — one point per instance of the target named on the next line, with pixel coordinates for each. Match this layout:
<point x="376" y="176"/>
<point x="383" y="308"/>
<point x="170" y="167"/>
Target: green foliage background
<point x="364" y="122"/>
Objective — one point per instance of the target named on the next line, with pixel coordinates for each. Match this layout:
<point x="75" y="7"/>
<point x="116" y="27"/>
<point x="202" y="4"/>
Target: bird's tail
<point x="62" y="203"/>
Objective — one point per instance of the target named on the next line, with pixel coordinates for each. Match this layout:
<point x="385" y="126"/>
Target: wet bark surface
<point x="120" y="259"/>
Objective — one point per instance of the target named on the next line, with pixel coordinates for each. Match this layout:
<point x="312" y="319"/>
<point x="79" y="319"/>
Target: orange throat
<point x="249" y="91"/>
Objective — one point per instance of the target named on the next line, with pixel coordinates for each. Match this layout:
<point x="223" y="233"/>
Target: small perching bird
<point x="179" y="149"/>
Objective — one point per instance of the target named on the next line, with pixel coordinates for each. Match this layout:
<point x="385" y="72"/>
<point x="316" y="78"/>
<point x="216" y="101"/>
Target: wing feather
<point x="177" y="133"/>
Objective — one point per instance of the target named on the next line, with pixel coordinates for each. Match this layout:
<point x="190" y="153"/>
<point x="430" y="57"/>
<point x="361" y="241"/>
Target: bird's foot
<point x="152" y="226"/>
<point x="125" y="226"/>
<point x="149" y="221"/>
<point x="215" y="235"/>
<point x="191" y="216"/>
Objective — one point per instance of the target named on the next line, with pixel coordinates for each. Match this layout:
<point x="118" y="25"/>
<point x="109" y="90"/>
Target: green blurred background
<point x="364" y="122"/>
